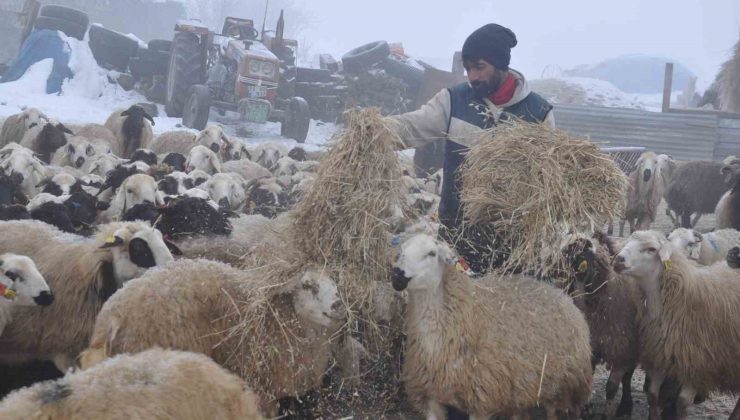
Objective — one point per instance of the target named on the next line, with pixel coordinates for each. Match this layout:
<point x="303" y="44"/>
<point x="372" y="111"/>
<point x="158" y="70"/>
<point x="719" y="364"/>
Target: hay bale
<point x="531" y="182"/>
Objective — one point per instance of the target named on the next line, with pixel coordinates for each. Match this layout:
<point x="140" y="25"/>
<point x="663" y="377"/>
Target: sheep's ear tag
<point x="7" y="292"/>
<point x="668" y="264"/>
<point x="583" y="266"/>
<point x="112" y="241"/>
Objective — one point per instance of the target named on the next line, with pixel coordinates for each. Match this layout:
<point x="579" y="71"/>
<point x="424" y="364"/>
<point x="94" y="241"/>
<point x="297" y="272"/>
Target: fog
<point x="564" y="33"/>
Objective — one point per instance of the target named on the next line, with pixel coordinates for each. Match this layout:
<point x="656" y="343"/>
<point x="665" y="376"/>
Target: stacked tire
<point x="151" y="61"/>
<point x="71" y="22"/>
<point x="112" y="50"/>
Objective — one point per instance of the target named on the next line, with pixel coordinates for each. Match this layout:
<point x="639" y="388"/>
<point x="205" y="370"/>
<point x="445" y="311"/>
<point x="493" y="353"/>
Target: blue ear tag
<point x="396" y="241"/>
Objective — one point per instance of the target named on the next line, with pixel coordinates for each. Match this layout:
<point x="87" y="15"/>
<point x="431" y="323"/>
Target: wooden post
<point x="667" y="87"/>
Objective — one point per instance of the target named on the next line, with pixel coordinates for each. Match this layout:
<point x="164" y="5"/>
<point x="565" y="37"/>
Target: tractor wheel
<point x="197" y="108"/>
<point x="297" y="121"/>
<point x="185" y="70"/>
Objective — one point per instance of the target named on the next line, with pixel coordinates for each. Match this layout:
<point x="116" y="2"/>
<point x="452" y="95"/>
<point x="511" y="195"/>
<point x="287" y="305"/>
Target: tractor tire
<point x="366" y="56"/>
<point x="162" y="45"/>
<point x="185" y="70"/>
<point x="65" y="13"/>
<point x="197" y="107"/>
<point x="71" y="29"/>
<point x="411" y="75"/>
<point x="297" y="121"/>
<point x="112" y="50"/>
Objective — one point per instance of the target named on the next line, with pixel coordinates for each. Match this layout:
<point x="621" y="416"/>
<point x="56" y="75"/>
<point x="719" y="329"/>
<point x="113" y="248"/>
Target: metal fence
<point x="685" y="136"/>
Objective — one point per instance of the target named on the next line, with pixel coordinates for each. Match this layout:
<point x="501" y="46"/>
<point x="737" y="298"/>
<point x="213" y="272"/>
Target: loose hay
<point x="530" y="182"/>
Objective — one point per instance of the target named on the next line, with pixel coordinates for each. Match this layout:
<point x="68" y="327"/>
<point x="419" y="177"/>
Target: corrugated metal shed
<point x="685" y="136"/>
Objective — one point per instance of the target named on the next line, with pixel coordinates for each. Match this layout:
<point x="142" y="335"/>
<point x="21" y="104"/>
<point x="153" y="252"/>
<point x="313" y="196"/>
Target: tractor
<point x="232" y="71"/>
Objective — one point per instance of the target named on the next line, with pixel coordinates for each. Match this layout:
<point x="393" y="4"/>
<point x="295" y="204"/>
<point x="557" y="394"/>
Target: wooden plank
<point x="667" y="87"/>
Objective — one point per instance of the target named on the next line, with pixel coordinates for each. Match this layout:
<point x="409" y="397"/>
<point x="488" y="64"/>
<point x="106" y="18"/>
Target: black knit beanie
<point x="492" y="43"/>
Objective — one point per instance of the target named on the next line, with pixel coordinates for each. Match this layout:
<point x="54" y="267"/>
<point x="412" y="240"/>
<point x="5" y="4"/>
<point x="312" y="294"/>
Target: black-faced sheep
<point x="175" y="183"/>
<point x="176" y="161"/>
<point x="10" y="189"/>
<point x="144" y="155"/>
<point x="61" y="184"/>
<point x="21" y="284"/>
<point x="733" y="257"/>
<point x="14" y="212"/>
<point x="83" y="274"/>
<point x="152" y="384"/>
<point x="132" y="130"/>
<point x="54" y="214"/>
<point x="182" y="217"/>
<point x="696" y="188"/>
<point x="644" y="194"/>
<point x="116" y="177"/>
<point x="15" y="126"/>
<point x="688" y="331"/>
<point x="298" y="154"/>
<point x="728" y="208"/>
<point x="707" y="248"/>
<point x="612" y="306"/>
<point x="45" y="138"/>
<point x="268" y="198"/>
<point x="204" y="159"/>
<point x="298" y="317"/>
<point x="500" y="347"/>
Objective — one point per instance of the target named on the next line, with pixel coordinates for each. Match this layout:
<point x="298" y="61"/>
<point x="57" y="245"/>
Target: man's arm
<point x="550" y="118"/>
<point x="424" y="125"/>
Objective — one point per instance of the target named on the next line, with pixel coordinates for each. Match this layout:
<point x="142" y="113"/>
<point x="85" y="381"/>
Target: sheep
<point x="15" y="126"/>
<point x="61" y="184"/>
<point x="644" y="194"/>
<point x="78" y="152"/>
<point x="175" y="160"/>
<point x="234" y="150"/>
<point x="175" y="183"/>
<point x="267" y="154"/>
<point x="10" y="189"/>
<point x="152" y="384"/>
<point x="267" y="198"/>
<point x="691" y="314"/>
<point x="136" y="189"/>
<point x="180" y="141"/>
<point x="228" y="190"/>
<point x="83" y="274"/>
<point x="433" y="183"/>
<point x="612" y="306"/>
<point x="99" y="132"/>
<point x="131" y="129"/>
<point x="114" y="179"/>
<point x="102" y="164"/>
<point x="14" y="212"/>
<point x="297" y="153"/>
<point x="247" y="169"/>
<point x="23" y="163"/>
<point x="91" y="183"/>
<point x="496" y="348"/>
<point x="182" y="217"/>
<point x="705" y="249"/>
<point x="728" y="208"/>
<point x="145" y="156"/>
<point x="203" y="158"/>
<point x="299" y="318"/>
<point x="21" y="284"/>
<point x="696" y="188"/>
<point x="733" y="257"/>
<point x="199" y="177"/>
<point x="284" y="170"/>
<point x="45" y="138"/>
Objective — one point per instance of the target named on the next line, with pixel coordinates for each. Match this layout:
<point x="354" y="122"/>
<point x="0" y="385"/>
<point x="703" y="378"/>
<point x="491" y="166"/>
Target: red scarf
<point x="505" y="92"/>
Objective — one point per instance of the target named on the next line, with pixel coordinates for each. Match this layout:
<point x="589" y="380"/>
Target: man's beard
<point x="482" y="90"/>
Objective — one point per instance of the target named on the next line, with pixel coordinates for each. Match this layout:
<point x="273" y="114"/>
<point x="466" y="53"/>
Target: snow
<point x="141" y="43"/>
<point x="32" y="83"/>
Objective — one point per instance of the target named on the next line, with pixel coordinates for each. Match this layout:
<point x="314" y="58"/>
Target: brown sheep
<point x="690" y="327"/>
<point x="499" y="347"/>
<point x="696" y="188"/>
<point x="644" y="194"/>
<point x="199" y="306"/>
<point x="155" y="384"/>
<point x="83" y="275"/>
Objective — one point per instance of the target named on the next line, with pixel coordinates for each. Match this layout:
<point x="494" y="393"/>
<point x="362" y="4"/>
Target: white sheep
<point x="707" y="248"/>
<point x="247" y="169"/>
<point x="15" y="126"/>
<point x="99" y="132"/>
<point x="132" y="130"/>
<point x="689" y="330"/>
<point x="433" y="183"/>
<point x="154" y="384"/>
<point x="22" y="161"/>
<point x="136" y="189"/>
<point x="287" y="357"/>
<point x="79" y="151"/>
<point x="234" y="150"/>
<point x="199" y="177"/>
<point x="646" y="188"/>
<point x="45" y="138"/>
<point x="102" y="164"/>
<point x="497" y="347"/>
<point x="228" y="190"/>
<point x="83" y="274"/>
<point x="267" y="154"/>
<point x="204" y="159"/>
<point x="21" y="284"/>
<point x="179" y="141"/>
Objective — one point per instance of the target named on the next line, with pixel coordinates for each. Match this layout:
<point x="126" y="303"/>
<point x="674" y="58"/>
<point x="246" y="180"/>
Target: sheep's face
<point x="176" y="161"/>
<point x="102" y="164"/>
<point x="686" y="240"/>
<point x="10" y="192"/>
<point x="136" y="248"/>
<point x="423" y="203"/>
<point x="666" y="166"/>
<point x="268" y="156"/>
<point x="731" y="171"/>
<point x="644" y="256"/>
<point x="144" y="155"/>
<point x="580" y="254"/>
<point x="733" y="257"/>
<point x="433" y="184"/>
<point x="212" y="137"/>
<point x="199" y="177"/>
<point x="20" y="275"/>
<point x="285" y="167"/>
<point x="268" y="199"/>
<point x="139" y="189"/>
<point x="227" y="191"/>
<point x="647" y="166"/>
<point x="32" y="117"/>
<point x="175" y="183"/>
<point x="79" y="152"/>
<point x="24" y="165"/>
<point x="62" y="184"/>
<point x="316" y="300"/>
<point x="420" y="264"/>
<point x="203" y="158"/>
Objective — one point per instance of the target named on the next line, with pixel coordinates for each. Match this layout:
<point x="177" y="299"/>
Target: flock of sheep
<point x="120" y="263"/>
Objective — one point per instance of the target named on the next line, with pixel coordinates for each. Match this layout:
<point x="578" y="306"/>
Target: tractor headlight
<point x="268" y="69"/>
<point x="255" y="68"/>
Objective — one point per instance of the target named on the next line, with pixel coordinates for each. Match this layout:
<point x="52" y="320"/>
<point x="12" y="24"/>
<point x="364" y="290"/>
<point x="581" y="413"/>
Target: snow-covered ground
<point x="90" y="97"/>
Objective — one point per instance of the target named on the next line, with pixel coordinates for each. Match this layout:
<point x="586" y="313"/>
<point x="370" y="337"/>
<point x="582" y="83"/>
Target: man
<point x="494" y="92"/>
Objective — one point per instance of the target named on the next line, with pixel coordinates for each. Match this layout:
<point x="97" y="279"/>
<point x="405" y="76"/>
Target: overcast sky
<point x="699" y="33"/>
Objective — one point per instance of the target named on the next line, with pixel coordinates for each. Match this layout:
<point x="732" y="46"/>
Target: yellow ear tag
<point x="110" y="240"/>
<point x="10" y="294"/>
<point x="668" y="264"/>
<point x="583" y="266"/>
